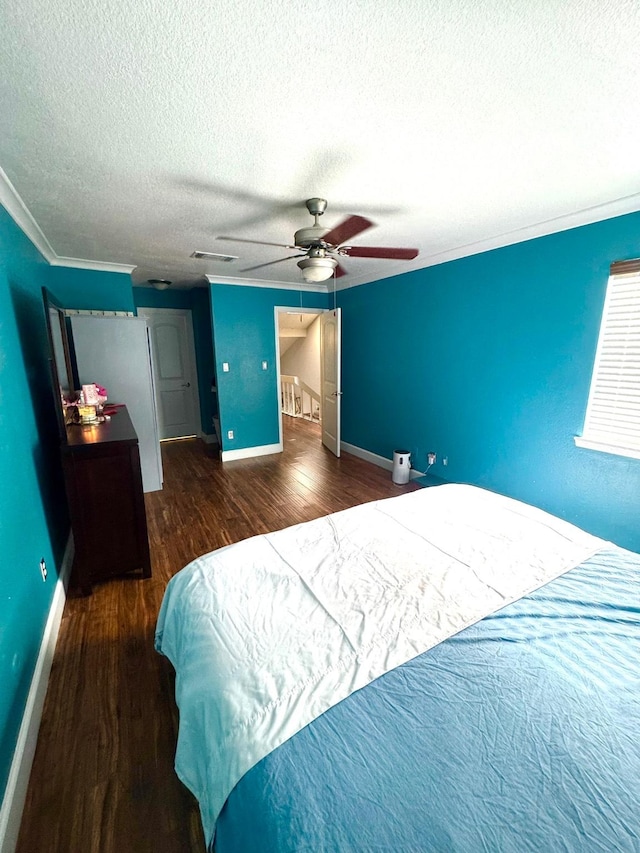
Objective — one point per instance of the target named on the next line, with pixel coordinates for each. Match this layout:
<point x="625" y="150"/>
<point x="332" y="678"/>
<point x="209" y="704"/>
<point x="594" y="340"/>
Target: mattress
<point x="520" y="733"/>
<point x="271" y="636"/>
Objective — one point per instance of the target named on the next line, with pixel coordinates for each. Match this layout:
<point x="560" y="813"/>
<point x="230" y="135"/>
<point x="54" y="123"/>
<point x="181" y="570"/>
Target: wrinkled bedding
<point x="520" y="734"/>
<point x="268" y="634"/>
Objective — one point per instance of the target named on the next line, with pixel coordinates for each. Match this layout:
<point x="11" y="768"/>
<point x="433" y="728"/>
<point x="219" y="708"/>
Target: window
<point x="612" y="422"/>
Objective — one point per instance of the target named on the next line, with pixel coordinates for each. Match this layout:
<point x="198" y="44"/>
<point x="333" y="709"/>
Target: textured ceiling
<point x="136" y="132"/>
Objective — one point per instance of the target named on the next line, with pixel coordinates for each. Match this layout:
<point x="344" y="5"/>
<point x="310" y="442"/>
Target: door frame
<point x="335" y="315"/>
<point x="282" y="309"/>
<point x="191" y="355"/>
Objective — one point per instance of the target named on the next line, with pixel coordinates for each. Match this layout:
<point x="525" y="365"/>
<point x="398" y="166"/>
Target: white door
<point x="174" y="371"/>
<point x="330" y="378"/>
<point x="114" y="352"/>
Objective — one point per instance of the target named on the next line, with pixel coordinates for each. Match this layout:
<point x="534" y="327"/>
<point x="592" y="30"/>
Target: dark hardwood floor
<point x="103" y="779"/>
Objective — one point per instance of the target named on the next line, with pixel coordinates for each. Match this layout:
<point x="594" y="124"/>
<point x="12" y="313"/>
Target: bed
<point x="447" y="670"/>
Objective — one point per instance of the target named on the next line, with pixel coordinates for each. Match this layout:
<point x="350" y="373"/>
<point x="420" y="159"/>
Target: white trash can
<point x="401" y="466"/>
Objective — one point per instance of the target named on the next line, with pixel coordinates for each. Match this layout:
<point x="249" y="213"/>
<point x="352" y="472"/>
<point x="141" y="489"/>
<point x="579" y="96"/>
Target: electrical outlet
<point x="445" y="460"/>
<point x="43" y="569"/>
<point x="230" y="434"/>
<point x="431" y="458"/>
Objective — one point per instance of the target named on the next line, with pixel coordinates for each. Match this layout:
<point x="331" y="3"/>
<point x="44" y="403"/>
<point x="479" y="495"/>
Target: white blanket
<point x="267" y="634"/>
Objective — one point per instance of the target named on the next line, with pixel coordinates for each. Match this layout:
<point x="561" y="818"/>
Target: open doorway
<point x="174" y="371"/>
<point x="308" y="356"/>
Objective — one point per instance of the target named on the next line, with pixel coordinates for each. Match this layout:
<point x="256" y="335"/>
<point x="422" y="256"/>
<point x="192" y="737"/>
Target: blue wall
<point x="205" y="356"/>
<point x="88" y="290"/>
<point x="147" y="297"/>
<point x="245" y="335"/>
<point x="33" y="516"/>
<point x="487" y="360"/>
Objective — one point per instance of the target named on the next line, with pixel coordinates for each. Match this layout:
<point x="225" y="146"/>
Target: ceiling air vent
<point x="212" y="256"/>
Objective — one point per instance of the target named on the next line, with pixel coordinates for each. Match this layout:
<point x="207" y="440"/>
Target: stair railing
<point x="299" y="400"/>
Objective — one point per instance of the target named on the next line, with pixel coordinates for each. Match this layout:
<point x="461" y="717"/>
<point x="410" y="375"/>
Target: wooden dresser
<point x="104" y="488"/>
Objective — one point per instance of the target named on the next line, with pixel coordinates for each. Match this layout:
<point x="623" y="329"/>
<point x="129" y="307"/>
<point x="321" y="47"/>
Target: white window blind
<point x="612" y="422"/>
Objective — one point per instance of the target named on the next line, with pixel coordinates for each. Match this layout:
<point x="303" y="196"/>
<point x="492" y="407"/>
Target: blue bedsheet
<point x="521" y="733"/>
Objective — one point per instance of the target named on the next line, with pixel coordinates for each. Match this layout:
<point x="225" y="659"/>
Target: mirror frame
<point x="61" y="373"/>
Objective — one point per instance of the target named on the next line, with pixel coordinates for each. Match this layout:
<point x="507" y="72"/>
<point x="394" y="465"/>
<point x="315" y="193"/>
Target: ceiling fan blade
<point x="340" y="271"/>
<point x="270" y="263"/>
<point x="347" y="229"/>
<point x="379" y="252"/>
<point x="257" y="242"/>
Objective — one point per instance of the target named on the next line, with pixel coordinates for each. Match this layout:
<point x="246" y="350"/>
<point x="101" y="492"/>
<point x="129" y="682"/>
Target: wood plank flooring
<point x="103" y="778"/>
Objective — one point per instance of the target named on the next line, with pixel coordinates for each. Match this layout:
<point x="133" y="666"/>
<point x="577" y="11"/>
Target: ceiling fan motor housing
<point x="312" y="236"/>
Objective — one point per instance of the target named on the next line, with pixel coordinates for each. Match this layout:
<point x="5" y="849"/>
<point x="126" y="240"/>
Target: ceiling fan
<point x="320" y="248"/>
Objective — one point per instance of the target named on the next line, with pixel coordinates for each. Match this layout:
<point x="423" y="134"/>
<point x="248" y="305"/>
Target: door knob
<point x="186" y="385"/>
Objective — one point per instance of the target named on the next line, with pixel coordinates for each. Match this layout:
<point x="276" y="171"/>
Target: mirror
<point x="60" y="358"/>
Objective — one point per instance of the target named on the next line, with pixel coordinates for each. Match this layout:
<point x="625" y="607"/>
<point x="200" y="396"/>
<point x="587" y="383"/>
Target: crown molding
<point x="99" y="266"/>
<point x="564" y="222"/>
<point x="20" y="214"/>
<point x="278" y="285"/>
<point x="17" y="209"/>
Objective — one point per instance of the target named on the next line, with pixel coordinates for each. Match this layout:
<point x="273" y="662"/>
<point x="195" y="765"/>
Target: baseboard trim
<point x="209" y="438"/>
<point x="380" y="461"/>
<point x="248" y="452"/>
<point x="367" y="455"/>
<point x="415" y="475"/>
<point x="18" y="781"/>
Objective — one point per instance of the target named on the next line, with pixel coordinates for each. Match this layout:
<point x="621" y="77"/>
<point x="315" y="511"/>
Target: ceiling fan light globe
<point x="315" y="270"/>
